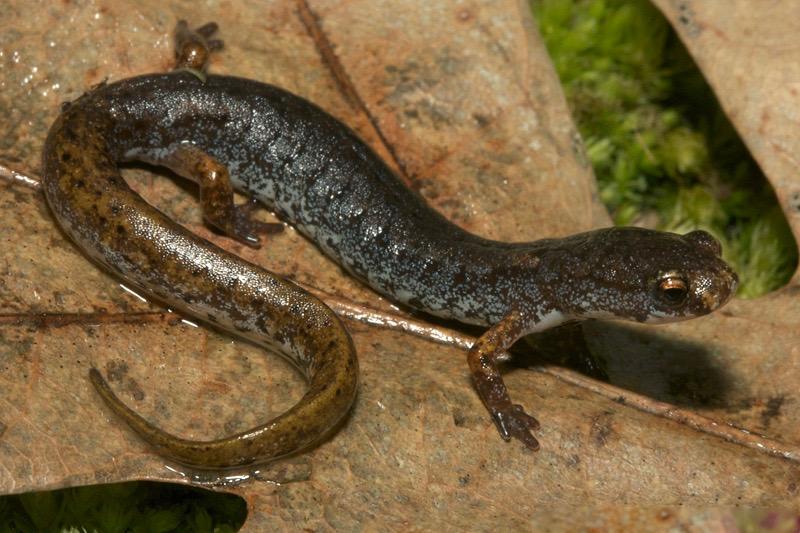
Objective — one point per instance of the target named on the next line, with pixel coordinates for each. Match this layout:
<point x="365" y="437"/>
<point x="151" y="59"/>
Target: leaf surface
<point x="461" y="99"/>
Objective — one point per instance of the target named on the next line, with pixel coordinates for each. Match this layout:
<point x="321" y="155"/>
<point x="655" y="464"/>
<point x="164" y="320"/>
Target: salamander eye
<point x="673" y="289"/>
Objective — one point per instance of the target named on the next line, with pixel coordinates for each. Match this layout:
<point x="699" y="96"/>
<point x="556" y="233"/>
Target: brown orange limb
<point x="216" y="193"/>
<point x="511" y="419"/>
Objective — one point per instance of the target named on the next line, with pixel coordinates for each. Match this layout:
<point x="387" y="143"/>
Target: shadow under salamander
<point x="676" y="371"/>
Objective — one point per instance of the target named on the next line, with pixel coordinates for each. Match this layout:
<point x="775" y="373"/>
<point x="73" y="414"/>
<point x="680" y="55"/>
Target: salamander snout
<point x="715" y="282"/>
<point x="711" y="290"/>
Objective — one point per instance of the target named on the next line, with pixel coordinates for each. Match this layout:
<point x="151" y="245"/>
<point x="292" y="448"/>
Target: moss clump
<point x="124" y="508"/>
<point x="664" y="153"/>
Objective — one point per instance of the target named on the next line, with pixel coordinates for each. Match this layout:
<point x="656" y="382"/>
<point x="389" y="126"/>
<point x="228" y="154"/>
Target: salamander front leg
<point x="511" y="419"/>
<point x="216" y="192"/>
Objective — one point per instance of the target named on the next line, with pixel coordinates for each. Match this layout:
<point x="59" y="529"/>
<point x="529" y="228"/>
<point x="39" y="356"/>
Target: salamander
<point x="317" y="175"/>
<point x="115" y="227"/>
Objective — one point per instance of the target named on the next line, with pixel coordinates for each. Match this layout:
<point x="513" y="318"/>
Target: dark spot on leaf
<point x="481" y="120"/>
<point x="772" y="410"/>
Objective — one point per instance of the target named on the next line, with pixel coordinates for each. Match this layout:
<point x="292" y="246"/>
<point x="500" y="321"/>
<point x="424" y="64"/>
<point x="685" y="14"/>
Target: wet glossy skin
<point x="119" y="230"/>
<point x="317" y="175"/>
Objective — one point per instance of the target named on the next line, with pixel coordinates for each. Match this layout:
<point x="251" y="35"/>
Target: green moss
<point x="123" y="507"/>
<point x="664" y="153"/>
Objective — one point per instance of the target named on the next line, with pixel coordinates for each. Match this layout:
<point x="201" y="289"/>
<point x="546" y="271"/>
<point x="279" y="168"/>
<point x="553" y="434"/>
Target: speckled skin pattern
<point x="118" y="229"/>
<point x="317" y="175"/>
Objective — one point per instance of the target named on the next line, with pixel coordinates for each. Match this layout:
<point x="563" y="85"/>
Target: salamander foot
<point x="246" y="230"/>
<point x="512" y="421"/>
<point x="193" y="47"/>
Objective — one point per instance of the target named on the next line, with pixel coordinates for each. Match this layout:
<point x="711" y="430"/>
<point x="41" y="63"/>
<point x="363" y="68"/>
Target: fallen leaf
<point x="461" y="99"/>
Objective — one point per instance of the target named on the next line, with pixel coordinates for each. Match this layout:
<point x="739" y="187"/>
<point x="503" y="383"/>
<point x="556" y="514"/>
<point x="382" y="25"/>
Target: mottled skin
<point x="118" y="229"/>
<point x="317" y="175"/>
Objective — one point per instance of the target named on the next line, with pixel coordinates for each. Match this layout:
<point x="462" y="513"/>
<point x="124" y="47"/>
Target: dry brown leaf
<point x="461" y="98"/>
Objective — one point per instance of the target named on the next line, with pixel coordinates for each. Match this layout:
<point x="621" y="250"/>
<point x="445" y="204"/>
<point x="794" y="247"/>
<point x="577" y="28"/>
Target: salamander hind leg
<point x="216" y="192"/>
<point x="511" y="419"/>
<point x="194" y="47"/>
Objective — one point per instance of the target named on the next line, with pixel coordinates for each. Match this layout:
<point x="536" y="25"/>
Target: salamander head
<point x="645" y="275"/>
